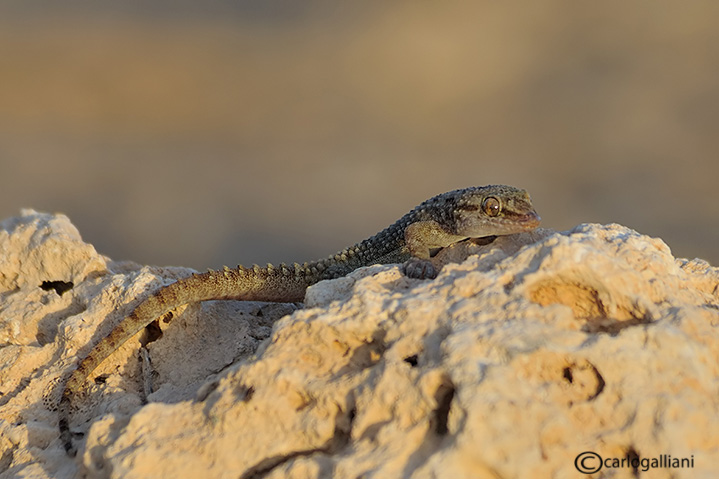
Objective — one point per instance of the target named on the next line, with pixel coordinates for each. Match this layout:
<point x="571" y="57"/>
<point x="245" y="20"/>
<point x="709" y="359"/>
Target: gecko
<point x="448" y="218"/>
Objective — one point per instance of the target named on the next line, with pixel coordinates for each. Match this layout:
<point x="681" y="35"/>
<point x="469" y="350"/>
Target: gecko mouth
<point x="529" y="220"/>
<point x="517" y="223"/>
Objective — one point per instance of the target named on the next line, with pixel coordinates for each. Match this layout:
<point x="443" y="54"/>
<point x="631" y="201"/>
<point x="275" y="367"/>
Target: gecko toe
<point x="417" y="268"/>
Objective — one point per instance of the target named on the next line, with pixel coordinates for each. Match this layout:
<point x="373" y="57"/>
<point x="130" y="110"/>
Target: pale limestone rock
<point x="534" y="349"/>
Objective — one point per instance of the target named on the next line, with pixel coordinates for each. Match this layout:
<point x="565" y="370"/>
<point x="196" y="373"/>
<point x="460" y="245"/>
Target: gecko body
<point x="436" y="223"/>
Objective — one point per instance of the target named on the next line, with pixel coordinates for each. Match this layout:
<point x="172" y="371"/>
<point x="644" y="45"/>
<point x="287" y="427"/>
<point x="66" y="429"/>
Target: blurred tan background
<point x="218" y="132"/>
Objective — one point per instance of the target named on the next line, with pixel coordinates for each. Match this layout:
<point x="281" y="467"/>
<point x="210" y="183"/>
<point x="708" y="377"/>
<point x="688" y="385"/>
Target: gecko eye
<point x="491" y="206"/>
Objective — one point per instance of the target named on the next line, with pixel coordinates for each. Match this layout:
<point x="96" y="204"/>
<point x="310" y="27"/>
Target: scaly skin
<point x="438" y="222"/>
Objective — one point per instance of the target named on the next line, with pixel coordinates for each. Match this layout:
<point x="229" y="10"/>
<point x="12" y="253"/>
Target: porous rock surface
<point x="532" y="350"/>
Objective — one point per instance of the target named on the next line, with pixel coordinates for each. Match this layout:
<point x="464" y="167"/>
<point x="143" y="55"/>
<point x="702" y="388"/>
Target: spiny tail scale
<point x="274" y="284"/>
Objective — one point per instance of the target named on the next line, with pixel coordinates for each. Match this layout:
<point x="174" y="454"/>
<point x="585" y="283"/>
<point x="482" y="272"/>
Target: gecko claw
<point x="417" y="268"/>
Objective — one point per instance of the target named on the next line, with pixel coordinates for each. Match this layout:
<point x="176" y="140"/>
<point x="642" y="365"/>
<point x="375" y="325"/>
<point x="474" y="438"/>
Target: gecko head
<point x="494" y="210"/>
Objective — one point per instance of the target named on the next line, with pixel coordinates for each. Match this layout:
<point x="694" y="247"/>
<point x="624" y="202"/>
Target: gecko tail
<point x="276" y="284"/>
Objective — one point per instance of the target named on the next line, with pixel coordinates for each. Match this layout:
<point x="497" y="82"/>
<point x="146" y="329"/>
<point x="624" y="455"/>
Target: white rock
<point x="534" y="349"/>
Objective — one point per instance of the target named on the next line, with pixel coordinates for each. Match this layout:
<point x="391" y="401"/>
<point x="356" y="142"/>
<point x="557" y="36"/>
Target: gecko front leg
<point x="424" y="239"/>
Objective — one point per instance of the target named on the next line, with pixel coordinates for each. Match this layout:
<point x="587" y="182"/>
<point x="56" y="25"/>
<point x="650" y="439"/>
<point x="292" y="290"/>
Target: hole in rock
<point x="563" y="379"/>
<point x="588" y="305"/>
<point x="443" y="396"/>
<point x="60" y="287"/>
<point x="249" y="392"/>
<point x="633" y="459"/>
<point x="411" y="360"/>
<point x="587" y="383"/>
<point x="153" y="332"/>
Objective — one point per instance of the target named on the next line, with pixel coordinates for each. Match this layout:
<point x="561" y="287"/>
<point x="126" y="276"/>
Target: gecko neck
<point x="387" y="246"/>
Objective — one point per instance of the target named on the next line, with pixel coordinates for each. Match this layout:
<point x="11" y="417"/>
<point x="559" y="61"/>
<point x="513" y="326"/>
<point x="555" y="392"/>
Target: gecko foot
<point x="417" y="268"/>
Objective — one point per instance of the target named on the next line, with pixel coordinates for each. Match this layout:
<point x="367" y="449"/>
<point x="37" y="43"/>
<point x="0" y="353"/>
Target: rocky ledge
<point x="524" y="358"/>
